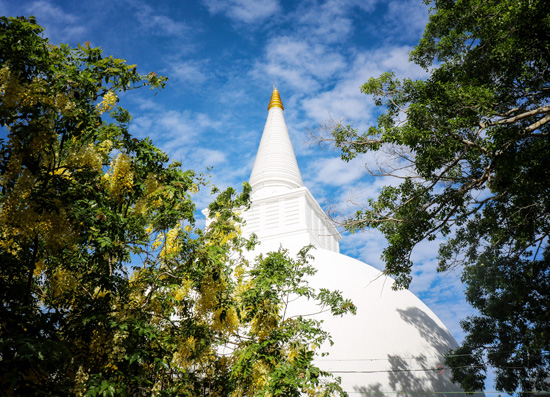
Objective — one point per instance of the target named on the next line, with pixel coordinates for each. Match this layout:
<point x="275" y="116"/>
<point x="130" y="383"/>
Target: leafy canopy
<point x="107" y="287"/>
<point x="471" y="144"/>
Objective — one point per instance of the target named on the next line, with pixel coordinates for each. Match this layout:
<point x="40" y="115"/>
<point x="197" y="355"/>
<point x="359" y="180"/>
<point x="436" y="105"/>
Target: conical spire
<point x="282" y="210"/>
<point x="275" y="169"/>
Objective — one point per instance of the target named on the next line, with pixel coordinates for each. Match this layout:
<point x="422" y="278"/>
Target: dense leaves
<point x="107" y="287"/>
<point x="471" y="143"/>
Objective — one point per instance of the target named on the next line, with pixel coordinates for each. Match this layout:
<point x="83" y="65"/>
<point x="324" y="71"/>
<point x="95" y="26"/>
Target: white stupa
<point x="395" y="344"/>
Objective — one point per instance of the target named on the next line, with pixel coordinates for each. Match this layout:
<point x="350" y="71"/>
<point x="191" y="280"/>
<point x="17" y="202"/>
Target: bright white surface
<point x="394" y="343"/>
<point x="393" y="346"/>
<point x="283" y="211"/>
<point x="275" y="169"/>
<point x="292" y="218"/>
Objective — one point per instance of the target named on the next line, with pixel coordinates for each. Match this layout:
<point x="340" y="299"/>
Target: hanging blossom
<point x="120" y="176"/>
<point x="85" y="156"/>
<point x="171" y="244"/>
<point x="182" y="291"/>
<point x="108" y="103"/>
<point x="11" y="90"/>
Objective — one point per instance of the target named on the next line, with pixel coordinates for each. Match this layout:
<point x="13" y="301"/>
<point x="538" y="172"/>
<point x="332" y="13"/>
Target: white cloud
<point x="345" y="101"/>
<point x="329" y="21"/>
<point x="156" y="23"/>
<point x="245" y="11"/>
<point x="174" y="131"/>
<point x="299" y="63"/>
<point x="425" y="268"/>
<point x="311" y="58"/>
<point x="47" y="10"/>
<point x="209" y="157"/>
<point x="366" y="246"/>
<point x="178" y="125"/>
<point x="406" y="19"/>
<point x="333" y="171"/>
<point x="61" y="26"/>
<point x="191" y="72"/>
<point x="147" y="104"/>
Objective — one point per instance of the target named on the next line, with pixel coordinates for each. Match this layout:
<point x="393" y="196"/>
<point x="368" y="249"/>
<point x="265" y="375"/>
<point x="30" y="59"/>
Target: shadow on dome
<point x="429" y="330"/>
<point x="420" y="376"/>
<point x="416" y="377"/>
<point x="371" y="391"/>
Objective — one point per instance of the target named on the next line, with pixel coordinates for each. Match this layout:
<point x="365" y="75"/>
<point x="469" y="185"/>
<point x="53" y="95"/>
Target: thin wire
<point x="381" y="359"/>
<point x="424" y="357"/>
<point x="429" y="393"/>
<point x="409" y="370"/>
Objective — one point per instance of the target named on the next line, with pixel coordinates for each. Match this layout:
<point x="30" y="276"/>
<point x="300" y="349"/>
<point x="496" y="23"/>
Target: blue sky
<point x="222" y="58"/>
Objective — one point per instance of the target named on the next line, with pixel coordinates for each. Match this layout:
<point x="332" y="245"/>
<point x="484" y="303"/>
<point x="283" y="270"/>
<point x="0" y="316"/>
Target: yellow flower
<point x="182" y="357"/>
<point x="108" y="103"/>
<point x="171" y="244"/>
<point x="100" y="292"/>
<point x="182" y="291"/>
<point x="39" y="268"/>
<point x="121" y="176"/>
<point x="105" y="146"/>
<point x="158" y="241"/>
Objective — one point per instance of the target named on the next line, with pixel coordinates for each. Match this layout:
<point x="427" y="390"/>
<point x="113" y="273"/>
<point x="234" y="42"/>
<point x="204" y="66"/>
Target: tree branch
<point x="538" y="124"/>
<point x="511" y="120"/>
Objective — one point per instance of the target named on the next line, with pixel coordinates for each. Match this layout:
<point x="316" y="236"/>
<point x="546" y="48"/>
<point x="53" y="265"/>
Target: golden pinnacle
<point x="275" y="100"/>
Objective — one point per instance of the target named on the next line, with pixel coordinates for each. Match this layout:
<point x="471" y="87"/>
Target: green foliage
<point x="274" y="344"/>
<point x="471" y="142"/>
<point x="107" y="287"/>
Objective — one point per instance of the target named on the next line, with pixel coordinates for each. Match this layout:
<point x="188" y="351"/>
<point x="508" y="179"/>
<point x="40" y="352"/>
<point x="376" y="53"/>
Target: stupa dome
<point x="394" y="345"/>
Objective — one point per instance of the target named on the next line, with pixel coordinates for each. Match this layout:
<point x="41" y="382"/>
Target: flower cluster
<point x="171" y="244"/>
<point x="85" y="156"/>
<point x="108" y="102"/>
<point x="120" y="176"/>
<point x="10" y="89"/>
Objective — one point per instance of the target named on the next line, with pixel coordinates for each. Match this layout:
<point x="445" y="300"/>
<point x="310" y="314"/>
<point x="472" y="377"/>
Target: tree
<point x="471" y="144"/>
<point x="107" y="286"/>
